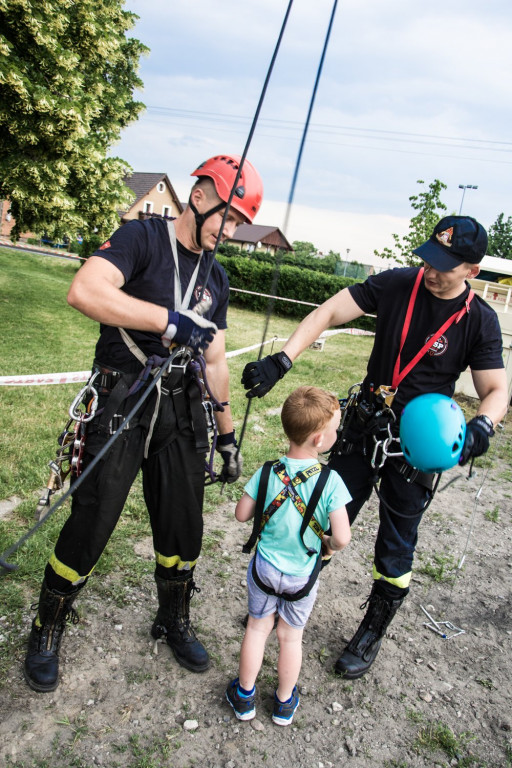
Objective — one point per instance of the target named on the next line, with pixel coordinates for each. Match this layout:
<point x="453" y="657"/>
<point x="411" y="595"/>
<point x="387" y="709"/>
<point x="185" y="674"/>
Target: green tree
<point x="500" y="238"/>
<point x="67" y="76"/>
<point x="303" y="249"/>
<point x="429" y="209"/>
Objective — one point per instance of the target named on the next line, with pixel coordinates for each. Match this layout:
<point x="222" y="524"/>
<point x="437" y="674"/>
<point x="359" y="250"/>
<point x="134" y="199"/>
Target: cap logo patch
<point x="445" y="237"/>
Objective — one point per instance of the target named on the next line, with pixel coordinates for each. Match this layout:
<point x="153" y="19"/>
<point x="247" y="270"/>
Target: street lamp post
<point x="464" y="187"/>
<point x="346" y="263"/>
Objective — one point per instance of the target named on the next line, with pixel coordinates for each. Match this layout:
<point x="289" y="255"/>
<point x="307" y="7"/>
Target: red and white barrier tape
<point x="76" y="377"/>
<point x="37" y="379"/>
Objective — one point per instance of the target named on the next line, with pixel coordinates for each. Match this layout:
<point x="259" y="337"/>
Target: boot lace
<point x="71" y="615"/>
<point x="373" y="626"/>
<point x="184" y="627"/>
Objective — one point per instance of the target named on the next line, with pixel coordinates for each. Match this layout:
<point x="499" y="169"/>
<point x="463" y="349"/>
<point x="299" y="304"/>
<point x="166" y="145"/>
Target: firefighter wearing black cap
<point x="430" y="327"/>
<point x="142" y="286"/>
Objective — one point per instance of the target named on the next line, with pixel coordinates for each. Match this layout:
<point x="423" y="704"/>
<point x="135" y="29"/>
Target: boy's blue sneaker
<point x="243" y="706"/>
<point x="284" y="712"/>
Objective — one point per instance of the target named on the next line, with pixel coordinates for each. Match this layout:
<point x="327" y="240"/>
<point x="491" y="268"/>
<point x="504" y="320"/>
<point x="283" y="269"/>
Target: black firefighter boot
<point x="41" y="667"/>
<point x="361" y="651"/>
<point x="173" y="622"/>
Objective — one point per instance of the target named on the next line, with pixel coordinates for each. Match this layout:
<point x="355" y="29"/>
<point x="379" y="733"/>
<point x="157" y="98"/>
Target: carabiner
<point x="78" y="415"/>
<point x="182" y="352"/>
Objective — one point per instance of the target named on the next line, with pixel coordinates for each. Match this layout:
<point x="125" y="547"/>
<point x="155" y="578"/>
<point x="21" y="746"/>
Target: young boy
<point x="285" y="560"/>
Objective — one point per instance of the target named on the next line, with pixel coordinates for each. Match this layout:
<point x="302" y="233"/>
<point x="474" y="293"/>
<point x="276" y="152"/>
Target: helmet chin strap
<point x="201" y="217"/>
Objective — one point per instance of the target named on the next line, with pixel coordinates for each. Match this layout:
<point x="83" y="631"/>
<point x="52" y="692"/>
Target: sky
<point x="408" y="91"/>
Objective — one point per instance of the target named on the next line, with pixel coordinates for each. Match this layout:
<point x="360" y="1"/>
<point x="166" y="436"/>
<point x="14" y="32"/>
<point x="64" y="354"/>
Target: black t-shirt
<point x="476" y="341"/>
<point x="141" y="250"/>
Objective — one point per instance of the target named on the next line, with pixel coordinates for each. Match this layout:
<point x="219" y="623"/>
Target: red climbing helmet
<point x="223" y="170"/>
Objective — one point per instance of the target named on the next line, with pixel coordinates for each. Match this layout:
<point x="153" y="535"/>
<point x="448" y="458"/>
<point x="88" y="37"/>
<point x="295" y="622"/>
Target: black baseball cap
<point x="455" y="240"/>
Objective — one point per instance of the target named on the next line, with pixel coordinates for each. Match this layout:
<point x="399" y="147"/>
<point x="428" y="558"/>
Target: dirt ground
<point x="427" y="701"/>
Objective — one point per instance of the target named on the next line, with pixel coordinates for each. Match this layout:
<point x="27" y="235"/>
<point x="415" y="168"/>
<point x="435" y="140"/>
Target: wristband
<point x="486" y="419"/>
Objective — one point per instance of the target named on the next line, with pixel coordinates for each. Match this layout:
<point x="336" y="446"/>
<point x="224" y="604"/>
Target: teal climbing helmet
<point x="432" y="432"/>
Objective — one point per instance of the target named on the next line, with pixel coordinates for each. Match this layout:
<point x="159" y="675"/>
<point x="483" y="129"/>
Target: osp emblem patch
<point x="439" y="347"/>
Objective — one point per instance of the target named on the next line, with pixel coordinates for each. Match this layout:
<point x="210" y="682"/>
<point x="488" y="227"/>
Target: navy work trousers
<point x="400" y="512"/>
<point x="173" y="484"/>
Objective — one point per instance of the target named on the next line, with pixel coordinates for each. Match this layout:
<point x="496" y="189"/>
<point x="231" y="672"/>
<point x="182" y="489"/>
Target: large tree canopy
<point x="430" y="209"/>
<point x="67" y="76"/>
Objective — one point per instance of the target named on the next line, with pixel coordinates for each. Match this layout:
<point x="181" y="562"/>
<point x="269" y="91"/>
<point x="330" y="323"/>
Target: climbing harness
<point x="262" y="516"/>
<point x="211" y="406"/>
<point x="367" y="423"/>
<point x="99" y="456"/>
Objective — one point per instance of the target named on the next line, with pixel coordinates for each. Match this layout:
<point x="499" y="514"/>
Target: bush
<point x="89" y="245"/>
<point x="328" y="264"/>
<point x="292" y="283"/>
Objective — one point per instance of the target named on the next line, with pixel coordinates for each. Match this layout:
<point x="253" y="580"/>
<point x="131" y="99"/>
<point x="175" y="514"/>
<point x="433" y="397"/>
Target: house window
<point x="160" y="187"/>
<point x="166" y="210"/>
<point x="148" y="206"/>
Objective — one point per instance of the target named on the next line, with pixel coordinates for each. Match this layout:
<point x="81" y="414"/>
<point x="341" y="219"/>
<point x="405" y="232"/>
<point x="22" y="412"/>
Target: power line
<point x="363" y="143"/>
<point x="281" y="124"/>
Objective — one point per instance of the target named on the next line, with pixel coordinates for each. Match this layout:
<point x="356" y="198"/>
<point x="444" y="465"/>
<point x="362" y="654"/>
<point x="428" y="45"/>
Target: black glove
<point x="190" y="329"/>
<point x="231" y="456"/>
<point x="476" y="443"/>
<point x="259" y="377"/>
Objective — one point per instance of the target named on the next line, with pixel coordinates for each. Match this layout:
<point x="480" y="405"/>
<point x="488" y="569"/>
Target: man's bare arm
<point x="491" y="388"/>
<point x="96" y="292"/>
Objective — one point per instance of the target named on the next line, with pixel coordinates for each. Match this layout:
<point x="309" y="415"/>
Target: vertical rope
<point x="275" y="277"/>
<point x="246" y="148"/>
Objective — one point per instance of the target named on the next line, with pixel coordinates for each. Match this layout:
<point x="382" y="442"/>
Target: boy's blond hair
<point x="307" y="410"/>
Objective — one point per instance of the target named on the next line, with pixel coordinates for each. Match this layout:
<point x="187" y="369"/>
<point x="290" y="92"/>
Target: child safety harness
<point x="262" y="516"/>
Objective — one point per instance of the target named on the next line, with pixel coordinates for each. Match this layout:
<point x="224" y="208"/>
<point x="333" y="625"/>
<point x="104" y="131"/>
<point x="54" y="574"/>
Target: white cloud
<point x="408" y="91"/>
<point x="335" y="230"/>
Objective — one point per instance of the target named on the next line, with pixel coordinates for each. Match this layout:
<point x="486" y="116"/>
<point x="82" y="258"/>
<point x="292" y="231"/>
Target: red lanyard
<point x="398" y="374"/>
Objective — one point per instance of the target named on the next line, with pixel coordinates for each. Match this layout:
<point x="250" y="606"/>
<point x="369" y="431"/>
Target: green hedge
<point x="292" y="283"/>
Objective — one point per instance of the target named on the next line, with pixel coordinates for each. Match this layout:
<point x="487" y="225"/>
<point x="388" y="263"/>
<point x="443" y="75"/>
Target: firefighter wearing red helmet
<point x="145" y="286"/>
<point x="223" y="170"/>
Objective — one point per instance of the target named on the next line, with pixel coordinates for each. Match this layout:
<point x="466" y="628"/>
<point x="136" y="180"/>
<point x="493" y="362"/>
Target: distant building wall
<point x="6" y="221"/>
<point x="158" y="201"/>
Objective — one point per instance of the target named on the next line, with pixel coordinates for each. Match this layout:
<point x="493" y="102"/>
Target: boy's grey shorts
<point x="294" y="613"/>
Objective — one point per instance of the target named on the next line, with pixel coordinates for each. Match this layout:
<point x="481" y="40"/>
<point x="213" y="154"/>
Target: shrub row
<point x="285" y="282"/>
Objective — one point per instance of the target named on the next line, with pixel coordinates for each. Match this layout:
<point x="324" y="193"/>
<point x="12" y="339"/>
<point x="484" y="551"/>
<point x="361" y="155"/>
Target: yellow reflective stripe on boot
<point x="399" y="581"/>
<point x="170" y="562"/>
<point x="66" y="572"/>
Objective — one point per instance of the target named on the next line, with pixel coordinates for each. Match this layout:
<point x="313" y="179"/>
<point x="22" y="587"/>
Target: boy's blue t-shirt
<point x="280" y="541"/>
